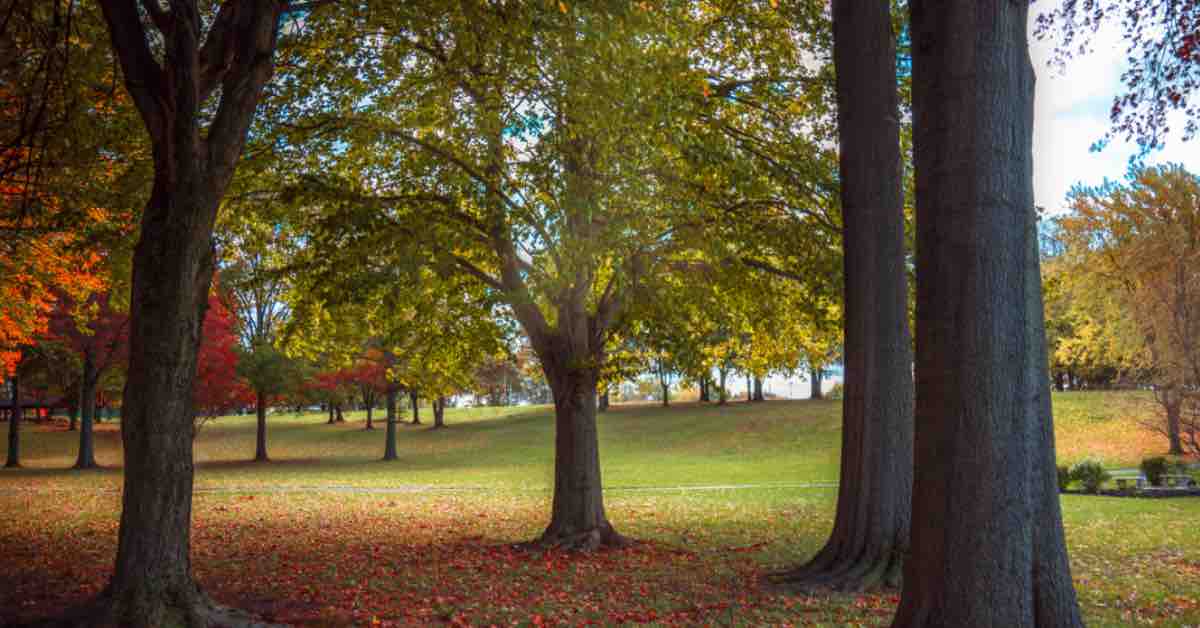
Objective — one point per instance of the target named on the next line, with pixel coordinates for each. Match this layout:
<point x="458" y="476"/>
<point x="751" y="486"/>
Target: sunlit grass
<point x="424" y="539"/>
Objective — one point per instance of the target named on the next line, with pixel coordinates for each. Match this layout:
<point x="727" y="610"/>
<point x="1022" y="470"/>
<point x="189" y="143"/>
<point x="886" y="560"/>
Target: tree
<point x="98" y="333"/>
<point x="1162" y="46"/>
<point x="987" y="537"/>
<point x="172" y="68"/>
<point x="218" y="389"/>
<point x="1140" y="242"/>
<point x="871" y="527"/>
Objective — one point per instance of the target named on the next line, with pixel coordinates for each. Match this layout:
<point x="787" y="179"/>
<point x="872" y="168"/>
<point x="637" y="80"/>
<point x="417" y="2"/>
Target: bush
<point x="1154" y="469"/>
<point x="1091" y="474"/>
<point x="1064" y="478"/>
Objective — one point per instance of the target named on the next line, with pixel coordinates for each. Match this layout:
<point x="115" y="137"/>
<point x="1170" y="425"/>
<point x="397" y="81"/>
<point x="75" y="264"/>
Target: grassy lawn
<point x="327" y="535"/>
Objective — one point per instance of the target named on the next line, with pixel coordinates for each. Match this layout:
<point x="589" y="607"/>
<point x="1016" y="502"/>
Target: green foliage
<point x="1064" y="477"/>
<point x="1090" y="474"/>
<point x="1155" y="468"/>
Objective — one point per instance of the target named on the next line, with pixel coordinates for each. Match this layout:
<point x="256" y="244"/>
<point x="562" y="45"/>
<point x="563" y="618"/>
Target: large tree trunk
<point x="416" y="407"/>
<point x="814" y="379"/>
<point x="173" y="264"/>
<point x="871" y="528"/>
<point x="389" y="448"/>
<point x="260" y="440"/>
<point x="87" y="400"/>
<point x="987" y="538"/>
<point x="14" y="426"/>
<point x="439" y="412"/>
<point x="577" y="519"/>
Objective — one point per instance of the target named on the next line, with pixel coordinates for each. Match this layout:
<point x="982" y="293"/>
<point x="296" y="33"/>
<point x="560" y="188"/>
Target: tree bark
<point x="86" y="459"/>
<point x="577" y="519"/>
<point x="666" y="394"/>
<point x="704" y="398"/>
<point x="603" y="401"/>
<point x="260" y="440"/>
<point x="370" y="420"/>
<point x="758" y="389"/>
<point x="815" y="391"/>
<point x="439" y="412"/>
<point x="332" y="415"/>
<point x="987" y="538"/>
<point x="173" y="263"/>
<point x="416" y="407"/>
<point x="1173" y="407"/>
<point x="389" y="448"/>
<point x="14" y="426"/>
<point x="871" y="527"/>
<point x="337" y="411"/>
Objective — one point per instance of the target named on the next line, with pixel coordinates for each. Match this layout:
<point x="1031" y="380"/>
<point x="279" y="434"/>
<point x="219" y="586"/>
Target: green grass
<point x="338" y="557"/>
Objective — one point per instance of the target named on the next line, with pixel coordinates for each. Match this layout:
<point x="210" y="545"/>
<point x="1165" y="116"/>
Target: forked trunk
<point x="389" y="447"/>
<point x="871" y="527"/>
<point x="87" y="399"/>
<point x="577" y="519"/>
<point x="260" y="441"/>
<point x="987" y="538"/>
<point x="14" y="426"/>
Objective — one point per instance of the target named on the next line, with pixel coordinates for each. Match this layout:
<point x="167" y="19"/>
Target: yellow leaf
<point x="562" y="6"/>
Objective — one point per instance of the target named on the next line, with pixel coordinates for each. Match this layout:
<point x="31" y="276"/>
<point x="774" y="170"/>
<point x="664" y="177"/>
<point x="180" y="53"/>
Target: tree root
<point x="594" y="539"/>
<point x="860" y="572"/>
<point x="192" y="609"/>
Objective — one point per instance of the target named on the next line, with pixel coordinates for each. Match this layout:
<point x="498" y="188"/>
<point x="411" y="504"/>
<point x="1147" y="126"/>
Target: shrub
<point x="1064" y="478"/>
<point x="1154" y="469"/>
<point x="1091" y="474"/>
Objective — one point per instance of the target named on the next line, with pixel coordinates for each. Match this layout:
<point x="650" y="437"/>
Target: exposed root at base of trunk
<point x="843" y="573"/>
<point x="191" y="608"/>
<point x="602" y="537"/>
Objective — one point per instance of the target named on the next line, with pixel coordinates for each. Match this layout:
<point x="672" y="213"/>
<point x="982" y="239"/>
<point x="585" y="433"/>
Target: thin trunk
<point x="332" y="416"/>
<point x="260" y="441"/>
<point x="337" y="410"/>
<point x="815" y="391"/>
<point x="439" y="412"/>
<point x="1173" y="425"/>
<point x="758" y="389"/>
<point x="370" y="420"/>
<point x="603" y="401"/>
<point x="14" y="426"/>
<point x="73" y="415"/>
<point x="704" y="390"/>
<point x="389" y="448"/>
<point x="577" y="520"/>
<point x="987" y="539"/>
<point x="749" y="388"/>
<point x="721" y="387"/>
<point x="416" y="408"/>
<point x="871" y="528"/>
<point x="666" y="393"/>
<point x="1060" y="381"/>
<point x="87" y="400"/>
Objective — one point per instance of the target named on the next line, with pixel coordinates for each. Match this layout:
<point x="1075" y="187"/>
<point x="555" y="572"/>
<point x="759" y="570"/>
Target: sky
<point x="1071" y="112"/>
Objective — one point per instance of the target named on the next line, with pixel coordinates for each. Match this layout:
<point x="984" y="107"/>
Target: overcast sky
<point x="1071" y="112"/>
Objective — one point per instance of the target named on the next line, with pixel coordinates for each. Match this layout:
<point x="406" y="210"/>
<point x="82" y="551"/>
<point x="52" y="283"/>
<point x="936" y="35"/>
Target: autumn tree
<point x="1140" y="242"/>
<point x="987" y="545"/>
<point x="218" y="389"/>
<point x="98" y="333"/>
